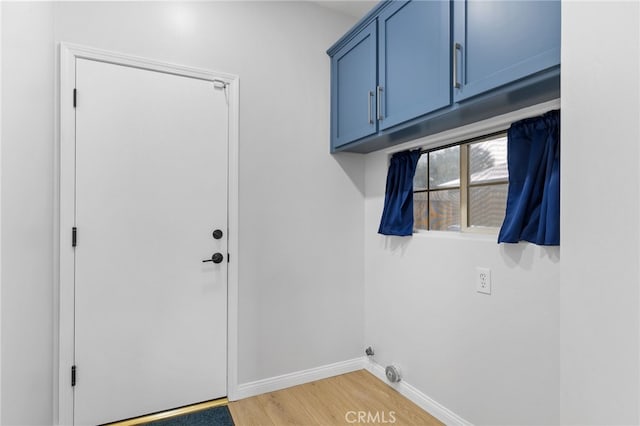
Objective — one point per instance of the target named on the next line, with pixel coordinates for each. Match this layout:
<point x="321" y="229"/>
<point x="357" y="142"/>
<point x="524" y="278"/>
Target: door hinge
<point x="73" y="375"/>
<point x="74" y="236"/>
<point x="228" y="257"/>
<point x="75" y="97"/>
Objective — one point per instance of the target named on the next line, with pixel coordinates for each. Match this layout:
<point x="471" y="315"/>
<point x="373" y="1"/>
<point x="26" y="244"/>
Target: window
<point x="462" y="187"/>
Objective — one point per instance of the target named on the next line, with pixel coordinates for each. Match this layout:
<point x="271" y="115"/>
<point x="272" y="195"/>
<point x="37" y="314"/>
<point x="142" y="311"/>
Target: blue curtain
<point x="397" y="216"/>
<point x="533" y="199"/>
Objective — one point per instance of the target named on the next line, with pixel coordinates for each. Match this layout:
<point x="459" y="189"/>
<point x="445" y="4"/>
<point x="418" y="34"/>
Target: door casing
<point x="64" y="177"/>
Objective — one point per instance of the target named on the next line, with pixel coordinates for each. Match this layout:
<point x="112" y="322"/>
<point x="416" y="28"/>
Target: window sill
<point x="488" y="236"/>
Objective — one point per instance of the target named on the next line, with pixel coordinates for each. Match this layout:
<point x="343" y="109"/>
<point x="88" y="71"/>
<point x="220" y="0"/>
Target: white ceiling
<point x="354" y="8"/>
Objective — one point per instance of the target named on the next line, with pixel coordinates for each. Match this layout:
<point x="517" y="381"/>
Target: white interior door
<point x="151" y="187"/>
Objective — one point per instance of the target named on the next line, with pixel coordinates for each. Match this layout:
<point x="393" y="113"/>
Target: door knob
<point x="216" y="258"/>
<point x="217" y="234"/>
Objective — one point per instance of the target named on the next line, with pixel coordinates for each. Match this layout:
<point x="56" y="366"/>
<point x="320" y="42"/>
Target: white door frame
<point x="64" y="212"/>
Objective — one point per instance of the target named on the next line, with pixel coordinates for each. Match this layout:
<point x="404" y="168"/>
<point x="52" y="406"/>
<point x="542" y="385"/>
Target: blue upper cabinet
<point x="414" y="68"/>
<point x="413" y="65"/>
<point x="391" y="70"/>
<point x="500" y="42"/>
<point x="353" y="71"/>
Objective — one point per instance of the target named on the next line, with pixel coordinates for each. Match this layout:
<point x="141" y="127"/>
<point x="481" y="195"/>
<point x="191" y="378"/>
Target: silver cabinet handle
<point x="456" y="47"/>
<point x="369" y="96"/>
<point x="380" y="117"/>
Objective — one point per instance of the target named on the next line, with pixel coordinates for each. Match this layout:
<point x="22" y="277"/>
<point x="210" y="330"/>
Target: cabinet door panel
<point x="503" y="41"/>
<point x="414" y="60"/>
<point x="353" y="89"/>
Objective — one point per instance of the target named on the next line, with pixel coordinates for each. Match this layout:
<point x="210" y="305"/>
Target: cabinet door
<point x="353" y="84"/>
<point x="414" y="60"/>
<point x="498" y="42"/>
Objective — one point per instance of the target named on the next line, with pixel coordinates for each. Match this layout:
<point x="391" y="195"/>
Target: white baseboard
<point x="437" y="410"/>
<point x="272" y="384"/>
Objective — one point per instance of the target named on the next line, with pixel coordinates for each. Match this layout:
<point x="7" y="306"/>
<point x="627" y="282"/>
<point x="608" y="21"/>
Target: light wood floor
<point x="334" y="401"/>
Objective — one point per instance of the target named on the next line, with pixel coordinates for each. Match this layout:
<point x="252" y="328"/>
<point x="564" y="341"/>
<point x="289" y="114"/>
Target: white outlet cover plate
<point x="483" y="280"/>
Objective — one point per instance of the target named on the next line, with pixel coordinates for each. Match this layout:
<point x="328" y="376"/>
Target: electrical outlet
<point x="483" y="280"/>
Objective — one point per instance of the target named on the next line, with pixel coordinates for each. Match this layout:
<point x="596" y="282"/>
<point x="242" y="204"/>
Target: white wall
<point x="489" y="359"/>
<point x="27" y="205"/>
<point x="600" y="213"/>
<point x="300" y="277"/>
